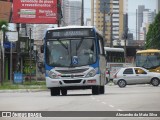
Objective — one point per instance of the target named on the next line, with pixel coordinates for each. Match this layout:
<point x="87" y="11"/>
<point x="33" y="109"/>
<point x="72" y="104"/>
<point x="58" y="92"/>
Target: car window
<point x="139" y="71"/>
<point x="128" y="71"/>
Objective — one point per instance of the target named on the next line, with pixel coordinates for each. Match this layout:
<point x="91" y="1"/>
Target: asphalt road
<point x="130" y="98"/>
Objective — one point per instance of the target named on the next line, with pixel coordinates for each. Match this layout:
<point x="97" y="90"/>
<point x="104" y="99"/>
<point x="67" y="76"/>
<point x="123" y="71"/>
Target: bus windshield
<point x="61" y="52"/>
<point x="113" y="56"/>
<point x="149" y="60"/>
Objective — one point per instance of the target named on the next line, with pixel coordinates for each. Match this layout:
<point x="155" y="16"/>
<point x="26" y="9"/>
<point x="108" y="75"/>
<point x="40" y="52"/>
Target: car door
<point x="141" y="76"/>
<point x="129" y="75"/>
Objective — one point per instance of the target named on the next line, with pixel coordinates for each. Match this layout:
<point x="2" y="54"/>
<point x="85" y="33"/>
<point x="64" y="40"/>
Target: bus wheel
<point x="55" y="91"/>
<point x="102" y="89"/>
<point x="122" y="83"/>
<point x="155" y="82"/>
<point x="95" y="90"/>
<point x="64" y="91"/>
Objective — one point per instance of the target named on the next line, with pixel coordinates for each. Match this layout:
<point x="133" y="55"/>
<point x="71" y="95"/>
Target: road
<point x="130" y="98"/>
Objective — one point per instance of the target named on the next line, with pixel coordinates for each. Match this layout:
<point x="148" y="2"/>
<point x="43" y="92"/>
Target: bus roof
<point x="148" y="51"/>
<point x="113" y="49"/>
<point x="69" y="27"/>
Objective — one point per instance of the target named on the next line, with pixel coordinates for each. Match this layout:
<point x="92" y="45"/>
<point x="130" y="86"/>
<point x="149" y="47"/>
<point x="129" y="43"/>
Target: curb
<point x="22" y="90"/>
<point x="110" y="84"/>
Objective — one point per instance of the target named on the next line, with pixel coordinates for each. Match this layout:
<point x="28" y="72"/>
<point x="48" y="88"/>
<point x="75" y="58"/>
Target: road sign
<point x="12" y="36"/>
<point x="8" y="45"/>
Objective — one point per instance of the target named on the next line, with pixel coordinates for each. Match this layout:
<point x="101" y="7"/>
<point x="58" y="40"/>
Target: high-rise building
<point x="71" y="12"/>
<point x="158" y="6"/>
<point x="140" y="10"/>
<point x="144" y="18"/>
<point x="113" y="24"/>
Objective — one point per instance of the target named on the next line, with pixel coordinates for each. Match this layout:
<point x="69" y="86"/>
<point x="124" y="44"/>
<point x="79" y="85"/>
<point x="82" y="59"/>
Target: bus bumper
<point x="73" y="82"/>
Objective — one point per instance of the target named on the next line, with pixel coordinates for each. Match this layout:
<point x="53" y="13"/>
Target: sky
<point x="132" y="6"/>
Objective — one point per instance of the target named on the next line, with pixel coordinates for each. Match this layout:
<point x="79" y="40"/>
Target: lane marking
<point x="103" y="102"/>
<point x="93" y="98"/>
<point x="119" y="110"/>
<point x="98" y="100"/>
<point x="111" y="106"/>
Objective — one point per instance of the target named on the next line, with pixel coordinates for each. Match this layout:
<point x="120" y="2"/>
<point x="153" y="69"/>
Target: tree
<point x="2" y="22"/>
<point x="153" y="35"/>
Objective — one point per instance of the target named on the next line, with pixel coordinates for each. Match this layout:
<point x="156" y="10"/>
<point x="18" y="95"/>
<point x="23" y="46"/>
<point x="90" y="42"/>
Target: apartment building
<point x="113" y="24"/>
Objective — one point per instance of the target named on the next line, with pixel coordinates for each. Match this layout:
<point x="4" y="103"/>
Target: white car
<point x="135" y="75"/>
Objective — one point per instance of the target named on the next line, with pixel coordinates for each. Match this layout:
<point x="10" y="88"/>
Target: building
<point x="144" y="18"/>
<point x="158" y="6"/>
<point x="5" y="10"/>
<point x="71" y="12"/>
<point x="107" y="16"/>
<point x="88" y="22"/>
<point x="140" y="10"/>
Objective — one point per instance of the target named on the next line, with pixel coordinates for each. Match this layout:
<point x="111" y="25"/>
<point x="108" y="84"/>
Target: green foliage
<point x="2" y="22"/>
<point x="26" y="85"/>
<point x="153" y="35"/>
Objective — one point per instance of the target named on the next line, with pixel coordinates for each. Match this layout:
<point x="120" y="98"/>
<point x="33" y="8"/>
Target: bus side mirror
<point x="42" y="49"/>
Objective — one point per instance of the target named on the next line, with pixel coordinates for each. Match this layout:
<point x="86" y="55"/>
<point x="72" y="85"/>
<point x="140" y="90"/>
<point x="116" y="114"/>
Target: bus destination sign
<point x="69" y="33"/>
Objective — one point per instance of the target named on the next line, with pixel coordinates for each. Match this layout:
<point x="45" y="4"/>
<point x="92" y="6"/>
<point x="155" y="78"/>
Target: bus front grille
<point x="72" y="81"/>
<point x="72" y="71"/>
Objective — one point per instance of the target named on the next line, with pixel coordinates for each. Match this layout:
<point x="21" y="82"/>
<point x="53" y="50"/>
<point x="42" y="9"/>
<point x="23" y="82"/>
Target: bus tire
<point x="155" y="81"/>
<point x="102" y="89"/>
<point x="95" y="90"/>
<point x="55" y="91"/>
<point x="64" y="91"/>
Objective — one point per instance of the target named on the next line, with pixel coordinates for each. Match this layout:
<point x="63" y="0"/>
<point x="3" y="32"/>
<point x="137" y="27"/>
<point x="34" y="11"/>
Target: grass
<point x="25" y="85"/>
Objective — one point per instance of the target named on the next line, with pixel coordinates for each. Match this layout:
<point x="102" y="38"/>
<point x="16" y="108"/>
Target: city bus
<point x="74" y="59"/>
<point x="115" y="60"/>
<point x="149" y="59"/>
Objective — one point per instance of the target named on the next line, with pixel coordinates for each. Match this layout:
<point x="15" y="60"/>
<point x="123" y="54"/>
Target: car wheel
<point x="155" y="82"/>
<point x="122" y="83"/>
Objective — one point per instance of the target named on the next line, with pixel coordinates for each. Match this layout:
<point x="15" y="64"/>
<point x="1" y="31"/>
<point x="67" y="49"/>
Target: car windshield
<point x="70" y="52"/>
<point x="148" y="61"/>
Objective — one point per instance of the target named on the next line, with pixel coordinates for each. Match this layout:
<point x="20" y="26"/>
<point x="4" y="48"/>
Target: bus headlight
<point x="91" y="73"/>
<point x="52" y="75"/>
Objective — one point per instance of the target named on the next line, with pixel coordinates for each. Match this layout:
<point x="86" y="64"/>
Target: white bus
<point x="115" y="60"/>
<point x="74" y="59"/>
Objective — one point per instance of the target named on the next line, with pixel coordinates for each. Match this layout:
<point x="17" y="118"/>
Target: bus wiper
<point x="80" y="43"/>
<point x="66" y="47"/>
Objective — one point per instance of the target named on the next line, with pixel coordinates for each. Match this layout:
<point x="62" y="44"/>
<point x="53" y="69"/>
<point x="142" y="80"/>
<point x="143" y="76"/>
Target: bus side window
<point x="101" y="45"/>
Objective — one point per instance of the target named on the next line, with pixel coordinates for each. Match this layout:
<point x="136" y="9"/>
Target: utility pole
<point x="18" y="47"/>
<point x="3" y="57"/>
<point x="82" y="13"/>
<point x="3" y="54"/>
<point x="111" y="35"/>
<point x="136" y="25"/>
<point x="59" y="13"/>
<point x="104" y="21"/>
<point x="125" y="37"/>
<point x="30" y="54"/>
<point x="1" y="81"/>
<point x="92" y="12"/>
